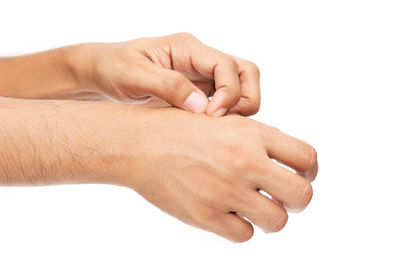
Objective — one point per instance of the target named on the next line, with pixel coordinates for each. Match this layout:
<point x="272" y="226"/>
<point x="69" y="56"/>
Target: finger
<point x="287" y="187"/>
<point x="276" y="201"/>
<point x="223" y="69"/>
<point x="228" y="225"/>
<point x="173" y="87"/>
<point x="250" y="96"/>
<point x="263" y="212"/>
<point x="207" y="86"/>
<point x="291" y="151"/>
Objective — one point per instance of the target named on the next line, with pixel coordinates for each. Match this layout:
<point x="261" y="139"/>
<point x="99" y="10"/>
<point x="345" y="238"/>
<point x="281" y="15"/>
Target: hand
<point x="175" y="70"/>
<point x="208" y="172"/>
<point x="205" y="171"/>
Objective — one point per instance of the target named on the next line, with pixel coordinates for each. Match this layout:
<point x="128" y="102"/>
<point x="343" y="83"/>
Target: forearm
<point x="51" y="142"/>
<point x="45" y="74"/>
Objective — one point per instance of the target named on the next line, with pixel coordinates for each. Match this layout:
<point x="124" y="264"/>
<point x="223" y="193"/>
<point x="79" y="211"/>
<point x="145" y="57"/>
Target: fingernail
<point x="196" y="102"/>
<point x="219" y="112"/>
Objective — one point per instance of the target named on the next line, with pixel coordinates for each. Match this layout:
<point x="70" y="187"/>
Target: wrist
<point x="117" y="132"/>
<point x="80" y="59"/>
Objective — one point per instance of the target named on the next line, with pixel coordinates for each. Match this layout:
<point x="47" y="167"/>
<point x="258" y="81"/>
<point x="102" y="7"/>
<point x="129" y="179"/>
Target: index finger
<point x="223" y="68"/>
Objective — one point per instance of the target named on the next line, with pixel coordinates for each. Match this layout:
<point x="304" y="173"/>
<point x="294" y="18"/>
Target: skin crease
<point x="205" y="169"/>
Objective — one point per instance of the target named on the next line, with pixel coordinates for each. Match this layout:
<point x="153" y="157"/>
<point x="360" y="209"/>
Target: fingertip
<point x="196" y="102"/>
<point x="311" y="174"/>
<point x="219" y="112"/>
<point x="220" y="103"/>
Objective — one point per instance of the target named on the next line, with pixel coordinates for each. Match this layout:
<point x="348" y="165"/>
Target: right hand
<point x="176" y="70"/>
<point x="208" y="171"/>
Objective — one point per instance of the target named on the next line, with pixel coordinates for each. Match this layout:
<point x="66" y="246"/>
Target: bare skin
<point x="189" y="165"/>
<point x="205" y="169"/>
<point x="157" y="71"/>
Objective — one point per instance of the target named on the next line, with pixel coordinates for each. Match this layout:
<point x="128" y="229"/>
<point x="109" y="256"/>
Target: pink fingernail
<point x="219" y="112"/>
<point x="196" y="102"/>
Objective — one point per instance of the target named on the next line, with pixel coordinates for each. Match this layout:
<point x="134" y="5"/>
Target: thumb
<point x="174" y="88"/>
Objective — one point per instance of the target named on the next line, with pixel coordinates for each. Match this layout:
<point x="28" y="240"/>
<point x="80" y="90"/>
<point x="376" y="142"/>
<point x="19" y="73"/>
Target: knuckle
<point x="248" y="128"/>
<point x="254" y="68"/>
<point x="242" y="123"/>
<point x="185" y="35"/>
<point x="205" y="214"/>
<point x="229" y="61"/>
<point x="252" y="128"/>
<point x="276" y="129"/>
<point x="278" y="221"/>
<point x="238" y="160"/>
<point x="174" y="81"/>
<point x="253" y="107"/>
<point x="257" y="131"/>
<point x="309" y="156"/>
<point x="245" y="127"/>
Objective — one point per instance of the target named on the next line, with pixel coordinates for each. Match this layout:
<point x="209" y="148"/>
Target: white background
<point x="330" y="75"/>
